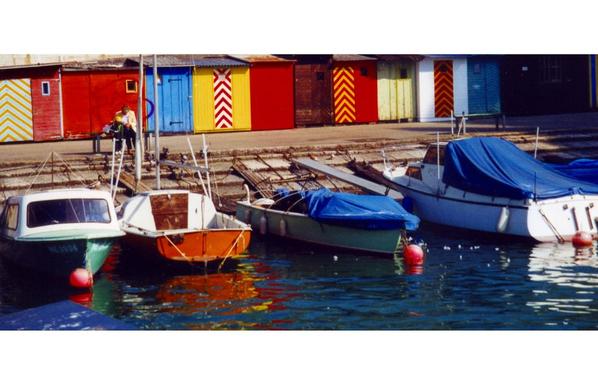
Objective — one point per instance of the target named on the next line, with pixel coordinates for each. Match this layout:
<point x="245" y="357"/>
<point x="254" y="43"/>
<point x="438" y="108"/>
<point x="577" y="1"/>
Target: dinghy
<point x="370" y="223"/>
<point x="488" y="184"/>
<point x="58" y="231"/>
<point x="178" y="226"/>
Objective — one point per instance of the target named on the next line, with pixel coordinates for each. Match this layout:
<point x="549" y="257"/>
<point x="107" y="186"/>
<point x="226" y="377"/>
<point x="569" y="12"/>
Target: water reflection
<point x="467" y="282"/>
<point x="562" y="265"/>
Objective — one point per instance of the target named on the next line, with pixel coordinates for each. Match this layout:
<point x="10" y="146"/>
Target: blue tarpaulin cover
<point x="374" y="212"/>
<point x="581" y="169"/>
<point x="495" y="167"/>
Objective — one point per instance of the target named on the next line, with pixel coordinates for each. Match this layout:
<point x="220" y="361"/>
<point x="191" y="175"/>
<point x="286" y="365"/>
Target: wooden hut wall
<point x="272" y="95"/>
<point x="175" y="99"/>
<point x="92" y="97"/>
<point x="396" y="90"/>
<point x="30" y="104"/>
<point x="221" y="99"/>
<point x="355" y="91"/>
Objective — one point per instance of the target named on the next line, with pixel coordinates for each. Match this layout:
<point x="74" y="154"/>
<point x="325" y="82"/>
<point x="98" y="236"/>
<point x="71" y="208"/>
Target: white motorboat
<point x="55" y="232"/>
<point x="488" y="184"/>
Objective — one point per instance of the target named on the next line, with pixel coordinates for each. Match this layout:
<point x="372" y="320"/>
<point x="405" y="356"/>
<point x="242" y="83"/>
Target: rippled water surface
<point x="467" y="282"/>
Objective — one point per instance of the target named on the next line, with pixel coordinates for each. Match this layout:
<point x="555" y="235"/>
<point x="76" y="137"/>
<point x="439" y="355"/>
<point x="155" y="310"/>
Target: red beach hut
<point x="354" y="89"/>
<point x="30" y="104"/>
<point x="272" y="92"/>
<point x="93" y="93"/>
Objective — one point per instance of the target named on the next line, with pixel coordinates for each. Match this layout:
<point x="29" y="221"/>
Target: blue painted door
<point x="174" y="89"/>
<point x="483" y="78"/>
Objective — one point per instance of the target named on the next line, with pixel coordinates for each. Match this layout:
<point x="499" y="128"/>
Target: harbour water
<point x="467" y="282"/>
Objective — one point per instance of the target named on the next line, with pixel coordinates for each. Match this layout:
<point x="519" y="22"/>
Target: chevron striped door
<point x="443" y="89"/>
<point x="343" y="86"/>
<point x="16" y="120"/>
<point x="223" y="99"/>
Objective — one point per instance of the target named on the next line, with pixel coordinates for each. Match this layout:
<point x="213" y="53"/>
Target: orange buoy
<point x="81" y="278"/>
<point x="582" y="240"/>
<point x="413" y="255"/>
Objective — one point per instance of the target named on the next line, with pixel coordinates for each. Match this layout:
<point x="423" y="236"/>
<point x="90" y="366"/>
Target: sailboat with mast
<point x="179" y="226"/>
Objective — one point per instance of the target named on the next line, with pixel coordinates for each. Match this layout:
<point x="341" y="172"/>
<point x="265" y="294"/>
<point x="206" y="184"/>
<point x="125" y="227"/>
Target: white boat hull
<point x="545" y="220"/>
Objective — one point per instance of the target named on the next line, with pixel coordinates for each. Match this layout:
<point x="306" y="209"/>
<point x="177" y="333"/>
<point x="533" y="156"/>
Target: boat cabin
<point x="429" y="165"/>
<point x="55" y="211"/>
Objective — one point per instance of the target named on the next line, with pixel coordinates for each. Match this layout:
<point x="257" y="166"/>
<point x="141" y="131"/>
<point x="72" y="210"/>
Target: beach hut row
<point x="203" y="93"/>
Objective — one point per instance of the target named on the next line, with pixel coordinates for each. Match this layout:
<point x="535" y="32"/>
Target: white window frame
<point x="49" y="91"/>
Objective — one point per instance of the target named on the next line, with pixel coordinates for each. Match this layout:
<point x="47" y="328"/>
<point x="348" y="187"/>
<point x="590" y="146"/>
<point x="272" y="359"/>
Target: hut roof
<point x="186" y="60"/>
<point x="251" y="58"/>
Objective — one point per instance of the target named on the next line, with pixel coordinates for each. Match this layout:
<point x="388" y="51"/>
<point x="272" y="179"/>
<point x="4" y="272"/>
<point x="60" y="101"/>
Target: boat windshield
<point x="59" y="211"/>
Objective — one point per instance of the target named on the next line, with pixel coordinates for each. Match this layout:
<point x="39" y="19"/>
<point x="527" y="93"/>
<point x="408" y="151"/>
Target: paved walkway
<point x="306" y="136"/>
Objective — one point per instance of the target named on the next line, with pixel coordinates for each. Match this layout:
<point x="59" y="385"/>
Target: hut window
<point x="131" y="86"/>
<point x="363" y="71"/>
<point x="403" y="73"/>
<point x="551" y="69"/>
<point x="45" y="88"/>
<point x="319" y="75"/>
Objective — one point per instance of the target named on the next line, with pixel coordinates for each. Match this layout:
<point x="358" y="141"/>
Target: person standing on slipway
<point x="125" y="126"/>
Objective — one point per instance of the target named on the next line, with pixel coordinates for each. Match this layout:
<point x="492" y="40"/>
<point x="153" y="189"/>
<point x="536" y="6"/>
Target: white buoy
<point x="263" y="225"/>
<point x="283" y="228"/>
<point x="503" y="219"/>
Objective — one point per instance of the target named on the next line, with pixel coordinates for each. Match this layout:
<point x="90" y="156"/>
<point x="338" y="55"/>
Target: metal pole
<point x="203" y="186"/>
<point x="205" y="158"/>
<point x="157" y="123"/>
<point x="536" y="147"/>
<point x="438" y="161"/>
<point x="120" y="166"/>
<point x="112" y="166"/>
<point x="138" y="142"/>
<point x="452" y="123"/>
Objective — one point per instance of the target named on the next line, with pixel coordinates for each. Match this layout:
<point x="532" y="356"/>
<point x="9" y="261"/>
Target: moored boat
<point x="488" y="184"/>
<point x="178" y="226"/>
<point x="58" y="231"/>
<point x="369" y="223"/>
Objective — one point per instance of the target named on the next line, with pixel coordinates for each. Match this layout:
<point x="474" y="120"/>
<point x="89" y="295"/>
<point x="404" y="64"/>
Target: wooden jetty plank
<point x="364" y="184"/>
<point x="128" y="180"/>
<point x="63" y="315"/>
<point x="366" y="171"/>
<point x="259" y="182"/>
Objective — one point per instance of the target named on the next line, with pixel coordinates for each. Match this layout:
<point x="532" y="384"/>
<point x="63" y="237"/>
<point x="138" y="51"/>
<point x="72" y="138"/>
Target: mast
<point x="157" y="123"/>
<point x="138" y="143"/>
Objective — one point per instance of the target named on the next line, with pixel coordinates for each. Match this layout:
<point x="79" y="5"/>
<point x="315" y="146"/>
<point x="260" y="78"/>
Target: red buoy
<point x="83" y="298"/>
<point x="582" y="240"/>
<point x="413" y="255"/>
<point x="414" y="270"/>
<point x="81" y="278"/>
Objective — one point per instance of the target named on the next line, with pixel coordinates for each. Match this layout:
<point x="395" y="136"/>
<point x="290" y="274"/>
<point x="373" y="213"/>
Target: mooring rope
<point x="231" y="248"/>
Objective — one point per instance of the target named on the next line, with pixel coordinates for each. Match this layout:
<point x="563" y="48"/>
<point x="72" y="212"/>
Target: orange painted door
<point x="444" y="101"/>
<point x="343" y="84"/>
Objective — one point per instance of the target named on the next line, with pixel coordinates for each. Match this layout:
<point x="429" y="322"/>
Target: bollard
<point x="95" y="141"/>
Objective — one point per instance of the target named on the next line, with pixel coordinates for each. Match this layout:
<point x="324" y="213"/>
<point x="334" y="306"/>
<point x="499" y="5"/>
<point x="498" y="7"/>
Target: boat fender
<point x="263" y="225"/>
<point x="283" y="228"/>
<point x="248" y="216"/>
<point x="503" y="219"/>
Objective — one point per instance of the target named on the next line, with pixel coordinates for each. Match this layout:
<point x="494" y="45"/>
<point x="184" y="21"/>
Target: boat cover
<point x="495" y="167"/>
<point x="581" y="169"/>
<point x="373" y="212"/>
